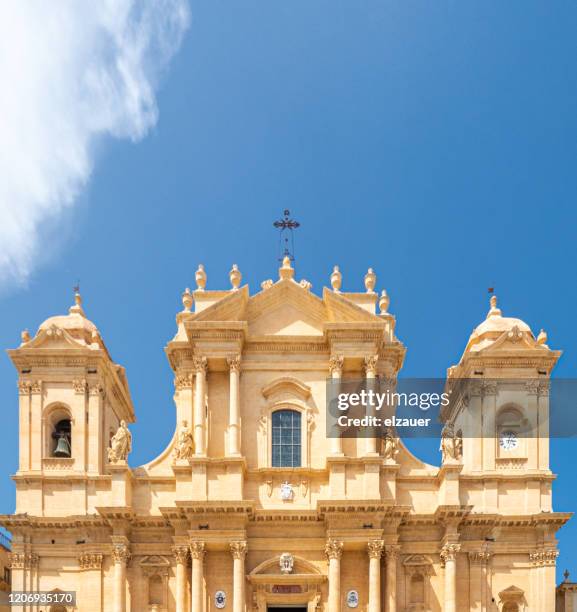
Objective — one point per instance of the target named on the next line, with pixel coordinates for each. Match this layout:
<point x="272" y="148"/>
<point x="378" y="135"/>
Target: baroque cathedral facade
<point x="252" y="507"/>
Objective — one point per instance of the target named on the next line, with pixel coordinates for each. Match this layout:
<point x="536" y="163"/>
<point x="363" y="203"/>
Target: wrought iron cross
<point x="286" y="225"/>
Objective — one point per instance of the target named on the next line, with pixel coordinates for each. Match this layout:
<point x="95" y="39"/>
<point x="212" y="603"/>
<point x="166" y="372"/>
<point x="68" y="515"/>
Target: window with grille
<point x="286" y="438"/>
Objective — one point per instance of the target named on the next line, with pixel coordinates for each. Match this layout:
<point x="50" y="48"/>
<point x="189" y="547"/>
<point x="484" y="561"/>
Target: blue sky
<point x="435" y="142"/>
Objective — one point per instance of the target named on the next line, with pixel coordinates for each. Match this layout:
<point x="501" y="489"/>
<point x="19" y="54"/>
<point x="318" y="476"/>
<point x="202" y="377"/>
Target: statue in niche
<point x="451" y="443"/>
<point x="120" y="444"/>
<point x="390" y="444"/>
<point x="184" y="447"/>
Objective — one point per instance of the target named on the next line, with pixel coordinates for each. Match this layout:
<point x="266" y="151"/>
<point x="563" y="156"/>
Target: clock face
<point x="508" y="440"/>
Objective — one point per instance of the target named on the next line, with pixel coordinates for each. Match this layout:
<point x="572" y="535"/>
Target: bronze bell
<point x="62" y="447"/>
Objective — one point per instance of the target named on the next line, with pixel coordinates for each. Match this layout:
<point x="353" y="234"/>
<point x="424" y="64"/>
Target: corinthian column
<point x="371" y="375"/>
<point x="334" y="550"/>
<point x="391" y="552"/>
<point x="121" y="556"/>
<point x="200" y="367"/>
<point x="336" y="371"/>
<point x="234" y="407"/>
<point x="197" y="556"/>
<point x="449" y="558"/>
<point x="238" y="550"/>
<point x="181" y="557"/>
<point x="375" y="549"/>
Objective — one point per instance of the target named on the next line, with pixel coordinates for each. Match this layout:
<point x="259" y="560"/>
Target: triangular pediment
<point x="288" y="308"/>
<point x="154" y="561"/>
<point x="285" y="309"/>
<point x="230" y="308"/>
<point x="341" y="310"/>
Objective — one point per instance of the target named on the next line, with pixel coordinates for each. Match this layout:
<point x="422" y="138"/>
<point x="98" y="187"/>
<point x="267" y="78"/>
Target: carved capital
<point x="95" y="390"/>
<point x="391" y="551"/>
<point x="24" y="387"/>
<point x="79" y="386"/>
<point x="183" y="381"/>
<point x="36" y="386"/>
<point x="180" y="554"/>
<point x="375" y="548"/>
<point x="89" y="561"/>
<point x="200" y="365"/>
<point x="197" y="550"/>
<point x="120" y="553"/>
<point x="543" y="389"/>
<point x="488" y="387"/>
<point x="336" y="364"/>
<point x="544" y="557"/>
<point x="334" y="549"/>
<point x="532" y="387"/>
<point x="449" y="552"/>
<point x="17" y="560"/>
<point x="479" y="557"/>
<point x="371" y="365"/>
<point x="238" y="549"/>
<point x="234" y="363"/>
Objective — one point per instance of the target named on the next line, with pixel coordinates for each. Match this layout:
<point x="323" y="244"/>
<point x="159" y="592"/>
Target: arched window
<point x="62" y="437"/>
<point x="286" y="438"/>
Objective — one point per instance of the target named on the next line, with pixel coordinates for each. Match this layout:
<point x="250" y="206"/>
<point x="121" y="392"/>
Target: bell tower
<point x="72" y="396"/>
<point x="501" y="409"/>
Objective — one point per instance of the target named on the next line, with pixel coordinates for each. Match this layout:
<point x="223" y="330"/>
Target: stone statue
<point x="451" y="443"/>
<point x="390" y="444"/>
<point x="120" y="444"/>
<point x="184" y="447"/>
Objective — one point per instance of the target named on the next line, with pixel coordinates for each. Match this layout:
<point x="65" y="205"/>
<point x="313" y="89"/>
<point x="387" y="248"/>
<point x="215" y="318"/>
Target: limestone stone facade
<point x="251" y="506"/>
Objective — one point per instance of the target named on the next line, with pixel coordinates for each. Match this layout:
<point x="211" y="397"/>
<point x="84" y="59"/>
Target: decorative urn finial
<point x="200" y="278"/>
<point x="286" y="270"/>
<point x="25" y="336"/>
<point x="235" y="276"/>
<point x="493" y="311"/>
<point x="336" y="279"/>
<point x="542" y="337"/>
<point x="370" y="281"/>
<point x="187" y="300"/>
<point x="384" y="302"/>
<point x="77" y="308"/>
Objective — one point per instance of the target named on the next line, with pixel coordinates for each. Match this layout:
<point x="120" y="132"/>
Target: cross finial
<point x="286" y="225"/>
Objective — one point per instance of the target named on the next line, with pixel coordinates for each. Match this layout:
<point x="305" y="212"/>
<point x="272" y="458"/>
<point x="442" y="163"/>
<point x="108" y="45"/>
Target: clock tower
<point x="502" y="411"/>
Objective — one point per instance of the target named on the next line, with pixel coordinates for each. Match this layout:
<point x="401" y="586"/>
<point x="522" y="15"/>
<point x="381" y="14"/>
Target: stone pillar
<point x="336" y="371"/>
<point x="197" y="554"/>
<point x="375" y="550"/>
<point x="91" y="582"/>
<point x="95" y="434"/>
<point x="238" y="550"/>
<point x="181" y="557"/>
<point x="121" y="556"/>
<point x="479" y="594"/>
<point x="391" y="552"/>
<point x="334" y="550"/>
<point x="234" y="407"/>
<point x="24" y="423"/>
<point x="370" y="376"/>
<point x="200" y="367"/>
<point x="36" y="425"/>
<point x="449" y="558"/>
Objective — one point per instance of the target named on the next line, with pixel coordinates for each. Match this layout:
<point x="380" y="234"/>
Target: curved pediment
<point x="284" y="385"/>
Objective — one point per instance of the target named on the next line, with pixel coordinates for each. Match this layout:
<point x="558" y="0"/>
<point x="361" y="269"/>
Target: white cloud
<point x="71" y="71"/>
